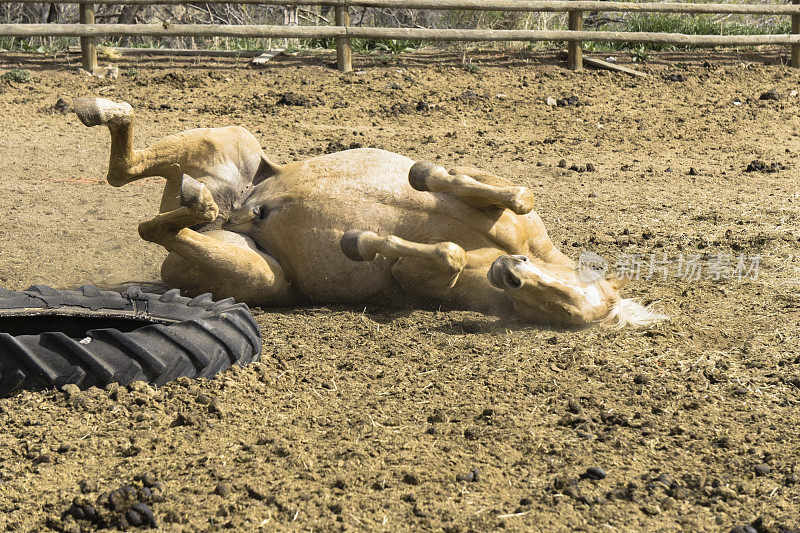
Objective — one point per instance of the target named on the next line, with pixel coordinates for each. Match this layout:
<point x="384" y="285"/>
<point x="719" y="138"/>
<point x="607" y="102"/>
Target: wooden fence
<point x="342" y="32"/>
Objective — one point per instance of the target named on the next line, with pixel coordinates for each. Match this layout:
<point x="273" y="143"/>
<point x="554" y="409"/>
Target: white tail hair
<point x="628" y="312"/>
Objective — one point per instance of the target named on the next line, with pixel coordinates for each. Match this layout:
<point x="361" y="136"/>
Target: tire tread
<point x="195" y="337"/>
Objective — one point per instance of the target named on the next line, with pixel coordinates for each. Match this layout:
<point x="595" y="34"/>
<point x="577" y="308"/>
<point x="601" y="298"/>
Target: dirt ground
<point x="383" y="420"/>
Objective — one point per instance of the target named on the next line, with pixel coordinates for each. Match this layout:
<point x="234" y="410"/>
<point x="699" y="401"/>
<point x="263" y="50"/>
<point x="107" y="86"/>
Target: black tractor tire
<point x="88" y="337"/>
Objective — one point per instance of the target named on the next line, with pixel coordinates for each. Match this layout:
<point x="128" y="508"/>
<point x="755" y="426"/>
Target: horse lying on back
<point x="359" y="226"/>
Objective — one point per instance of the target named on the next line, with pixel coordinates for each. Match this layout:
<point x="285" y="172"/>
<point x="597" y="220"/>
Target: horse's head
<point x="559" y="294"/>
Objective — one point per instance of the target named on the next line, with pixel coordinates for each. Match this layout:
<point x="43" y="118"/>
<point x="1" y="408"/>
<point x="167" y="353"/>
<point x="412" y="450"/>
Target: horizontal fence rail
<point x="342" y="32"/>
<point x="492" y="5"/>
<point x="366" y="32"/>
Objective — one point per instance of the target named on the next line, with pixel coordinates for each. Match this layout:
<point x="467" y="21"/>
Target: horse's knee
<point x="149" y="230"/>
<point x="452" y="255"/>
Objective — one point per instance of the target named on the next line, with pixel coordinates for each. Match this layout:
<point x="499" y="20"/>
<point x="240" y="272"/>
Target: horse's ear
<point x="617" y="281"/>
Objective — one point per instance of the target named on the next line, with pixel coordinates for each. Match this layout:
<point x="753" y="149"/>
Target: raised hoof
<point x="97" y="111"/>
<point x="198" y="199"/>
<point x="349" y="244"/>
<point x="191" y="191"/>
<point x="418" y="175"/>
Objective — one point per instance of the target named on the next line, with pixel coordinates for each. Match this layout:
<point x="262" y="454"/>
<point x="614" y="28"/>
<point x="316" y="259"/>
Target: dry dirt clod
<point x="411" y="478"/>
<point x="257" y="492"/>
<point x="762" y="469"/>
<point x="295" y="99"/>
<point x="771" y="94"/>
<point x="473" y="476"/>
<point x="189" y="418"/>
<point x="148" y="479"/>
<point x="667" y="480"/>
<point x="574" y="407"/>
<point x="70" y="389"/>
<point x="560" y="483"/>
<point x="650" y="510"/>
<point x="87" y="486"/>
<point x="757" y="165"/>
<point x="223" y="489"/>
<point x="595" y="473"/>
<point x="203" y="399"/>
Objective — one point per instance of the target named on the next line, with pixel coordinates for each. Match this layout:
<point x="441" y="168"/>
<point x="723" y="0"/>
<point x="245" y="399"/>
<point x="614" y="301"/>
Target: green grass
<point x="471" y="67"/>
<point x="685" y="24"/>
<point x="17" y="75"/>
<point x="384" y="46"/>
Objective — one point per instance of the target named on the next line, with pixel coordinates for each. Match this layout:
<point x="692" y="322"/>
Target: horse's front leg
<point x="440" y="272"/>
<point x="224" y="263"/>
<point x="439" y="265"/>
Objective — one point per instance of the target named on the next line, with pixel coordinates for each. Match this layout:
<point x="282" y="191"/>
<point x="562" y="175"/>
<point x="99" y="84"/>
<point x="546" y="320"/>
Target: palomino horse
<point x="360" y="226"/>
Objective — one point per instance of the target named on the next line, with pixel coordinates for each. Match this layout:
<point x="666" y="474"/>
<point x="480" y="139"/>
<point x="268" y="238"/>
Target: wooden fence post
<point x="795" y="30"/>
<point x="575" y="48"/>
<point x="88" y="44"/>
<point x="343" y="52"/>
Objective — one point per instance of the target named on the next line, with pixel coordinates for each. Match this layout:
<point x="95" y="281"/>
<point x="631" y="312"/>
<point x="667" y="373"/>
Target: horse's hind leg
<point x="224" y="159"/>
<point x="474" y="187"/>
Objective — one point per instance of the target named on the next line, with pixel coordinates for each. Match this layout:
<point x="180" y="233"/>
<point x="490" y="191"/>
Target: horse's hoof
<point x="198" y="199"/>
<point x="349" y="244"/>
<point x="191" y="191"/>
<point x="418" y="175"/>
<point x="97" y="111"/>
